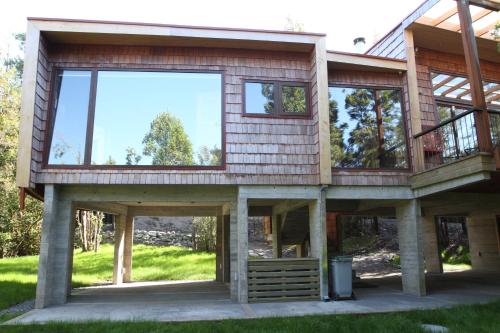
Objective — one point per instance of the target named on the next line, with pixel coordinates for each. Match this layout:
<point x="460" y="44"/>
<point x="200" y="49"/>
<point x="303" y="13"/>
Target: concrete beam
<point x="174" y="210"/>
<point x="369" y="192"/>
<point x="105" y="207"/>
<point x="279" y="192"/>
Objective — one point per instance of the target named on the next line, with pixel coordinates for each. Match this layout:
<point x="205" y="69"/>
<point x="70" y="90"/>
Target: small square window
<point x="259" y="98"/>
<point x="294" y="99"/>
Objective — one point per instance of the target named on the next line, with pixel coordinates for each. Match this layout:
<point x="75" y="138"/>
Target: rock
<point x="435" y="328"/>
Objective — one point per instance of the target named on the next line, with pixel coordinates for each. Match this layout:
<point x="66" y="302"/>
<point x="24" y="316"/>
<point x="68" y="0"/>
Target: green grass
<point x="150" y="263"/>
<point x="469" y="318"/>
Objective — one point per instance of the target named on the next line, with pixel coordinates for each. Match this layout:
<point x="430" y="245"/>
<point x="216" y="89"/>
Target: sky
<point x="342" y="20"/>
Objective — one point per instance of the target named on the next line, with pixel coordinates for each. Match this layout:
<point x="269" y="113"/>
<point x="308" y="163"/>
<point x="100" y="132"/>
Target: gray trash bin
<point x="340" y="278"/>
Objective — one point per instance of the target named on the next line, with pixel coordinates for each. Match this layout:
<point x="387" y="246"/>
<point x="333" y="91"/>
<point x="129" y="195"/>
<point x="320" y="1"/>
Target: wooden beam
<point x="485" y="30"/>
<point x="487" y="4"/>
<point x="474" y="76"/>
<point x="366" y="61"/>
<point x="442" y="83"/>
<point x="462" y="94"/>
<point x="455" y="87"/>
<point x="444" y="17"/>
<point x="496" y="87"/>
<point x="493" y="98"/>
<point x="479" y="15"/>
<point x="414" y="101"/>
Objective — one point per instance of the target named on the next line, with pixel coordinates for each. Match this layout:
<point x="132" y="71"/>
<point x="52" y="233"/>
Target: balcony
<point x="452" y="154"/>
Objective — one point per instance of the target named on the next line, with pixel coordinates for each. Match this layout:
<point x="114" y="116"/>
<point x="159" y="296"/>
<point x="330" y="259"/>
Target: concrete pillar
<point x="410" y="247"/>
<point x="118" y="263"/>
<point x="225" y="249"/>
<point x="239" y="250"/>
<point x="431" y="247"/>
<point x="54" y="272"/>
<point x="317" y="232"/>
<point x="219" y="260"/>
<point x="127" y="251"/>
<point x="276" y="235"/>
<point x="483" y="241"/>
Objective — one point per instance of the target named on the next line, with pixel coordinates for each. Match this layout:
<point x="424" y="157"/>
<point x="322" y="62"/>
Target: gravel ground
<point x="21" y="307"/>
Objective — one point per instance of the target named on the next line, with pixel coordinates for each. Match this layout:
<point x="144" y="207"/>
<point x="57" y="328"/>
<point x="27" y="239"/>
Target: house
<point x="138" y="119"/>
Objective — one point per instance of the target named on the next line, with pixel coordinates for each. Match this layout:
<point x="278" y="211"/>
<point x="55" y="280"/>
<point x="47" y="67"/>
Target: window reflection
<point x="157" y="118"/>
<point x="71" y="103"/>
<point x="366" y="128"/>
<point x="259" y="98"/>
<point x="294" y="99"/>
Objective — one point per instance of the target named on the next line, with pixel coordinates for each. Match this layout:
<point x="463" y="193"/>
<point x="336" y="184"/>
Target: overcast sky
<point x="342" y="20"/>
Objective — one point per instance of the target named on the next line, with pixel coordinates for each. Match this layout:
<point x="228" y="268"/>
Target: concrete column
<point x="72" y="250"/>
<point x="431" y="247"/>
<point x="119" y="249"/>
<point x="276" y="235"/>
<point x="483" y="241"/>
<point x="410" y="247"/>
<point x="127" y="251"/>
<point x="239" y="250"/>
<point x="317" y="232"/>
<point x="54" y="272"/>
<point x="219" y="260"/>
<point x="225" y="249"/>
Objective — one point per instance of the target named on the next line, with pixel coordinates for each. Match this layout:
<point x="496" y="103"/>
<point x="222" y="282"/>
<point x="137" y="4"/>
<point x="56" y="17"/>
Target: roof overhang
<point x="127" y="33"/>
<point x="363" y="62"/>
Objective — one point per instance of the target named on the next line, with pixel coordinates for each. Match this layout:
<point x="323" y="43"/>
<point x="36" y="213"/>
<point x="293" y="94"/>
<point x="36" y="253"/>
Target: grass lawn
<point x="150" y="263"/>
<point x="470" y="318"/>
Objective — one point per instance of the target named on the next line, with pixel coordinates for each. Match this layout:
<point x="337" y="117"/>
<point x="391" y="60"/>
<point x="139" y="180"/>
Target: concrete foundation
<point x="483" y="241"/>
<point x="431" y="247"/>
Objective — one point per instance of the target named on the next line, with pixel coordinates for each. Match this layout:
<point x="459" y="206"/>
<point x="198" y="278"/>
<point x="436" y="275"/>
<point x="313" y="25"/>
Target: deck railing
<point x="454" y="138"/>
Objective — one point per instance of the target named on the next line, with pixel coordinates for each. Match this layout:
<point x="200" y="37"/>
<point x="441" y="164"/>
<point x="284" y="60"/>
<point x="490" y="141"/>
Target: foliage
<point x="208" y="156"/>
<point x="19" y="231"/>
<point x="167" y="142"/>
<point x="476" y="318"/>
<point x="150" y="263"/>
<point x="89" y="229"/>
<point x="294" y="99"/>
<point x="456" y="255"/>
<point x="17" y="63"/>
<point x="496" y="35"/>
<point x="132" y="157"/>
<point x="204" y="233"/>
<point x="293" y="25"/>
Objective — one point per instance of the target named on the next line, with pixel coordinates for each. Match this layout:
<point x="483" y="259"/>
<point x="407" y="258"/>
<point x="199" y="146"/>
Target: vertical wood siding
<point x="258" y="150"/>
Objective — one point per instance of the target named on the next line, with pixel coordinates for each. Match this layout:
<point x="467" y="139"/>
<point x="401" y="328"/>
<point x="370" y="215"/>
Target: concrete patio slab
<point x="189" y="301"/>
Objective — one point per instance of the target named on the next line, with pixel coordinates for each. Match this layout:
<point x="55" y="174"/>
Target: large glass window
<point x="276" y="98"/>
<point x="70" y="110"/>
<point x="150" y="118"/>
<point x="367" y="128"/>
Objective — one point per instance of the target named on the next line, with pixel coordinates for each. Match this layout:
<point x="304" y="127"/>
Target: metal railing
<point x="494" y="116"/>
<point x="452" y="139"/>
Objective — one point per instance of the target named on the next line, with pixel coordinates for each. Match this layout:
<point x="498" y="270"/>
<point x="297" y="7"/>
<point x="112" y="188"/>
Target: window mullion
<point x="90" y="118"/>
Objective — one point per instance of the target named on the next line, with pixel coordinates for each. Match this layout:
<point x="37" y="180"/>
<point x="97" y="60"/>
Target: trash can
<point x="340" y="278"/>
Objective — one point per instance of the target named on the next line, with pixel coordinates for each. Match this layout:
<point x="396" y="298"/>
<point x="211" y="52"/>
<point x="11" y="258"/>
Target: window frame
<point x="400" y="90"/>
<point x="49" y="123"/>
<point x="278" y="99"/>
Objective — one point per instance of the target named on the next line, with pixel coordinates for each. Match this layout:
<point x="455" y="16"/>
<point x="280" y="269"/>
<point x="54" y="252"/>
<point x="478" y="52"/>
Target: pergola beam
<point x="487" y="4"/>
<point x="443" y="82"/>
<point x="455" y="87"/>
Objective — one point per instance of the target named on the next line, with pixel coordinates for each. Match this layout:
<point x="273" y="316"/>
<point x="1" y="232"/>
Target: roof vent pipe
<point x="359" y="44"/>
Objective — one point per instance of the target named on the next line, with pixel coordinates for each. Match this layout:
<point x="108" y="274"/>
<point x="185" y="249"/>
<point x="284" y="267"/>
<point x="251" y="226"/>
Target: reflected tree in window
<point x="268" y="93"/>
<point x="207" y="156"/>
<point x="391" y="129"/>
<point x="337" y="146"/>
<point x="167" y="142"/>
<point x="294" y="99"/>
<point x="362" y="146"/>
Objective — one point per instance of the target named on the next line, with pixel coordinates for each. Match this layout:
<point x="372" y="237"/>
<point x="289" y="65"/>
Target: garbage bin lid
<point x="342" y="258"/>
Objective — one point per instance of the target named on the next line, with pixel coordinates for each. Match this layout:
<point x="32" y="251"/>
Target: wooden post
<point x="413" y="94"/>
<point x="474" y="76"/>
<point x="276" y="229"/>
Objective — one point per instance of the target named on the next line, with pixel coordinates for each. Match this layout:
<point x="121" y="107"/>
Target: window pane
<point x="353" y="128"/>
<point x="72" y="89"/>
<point x="157" y="118"/>
<point x="294" y="99"/>
<point x="393" y="152"/>
<point x="259" y="98"/>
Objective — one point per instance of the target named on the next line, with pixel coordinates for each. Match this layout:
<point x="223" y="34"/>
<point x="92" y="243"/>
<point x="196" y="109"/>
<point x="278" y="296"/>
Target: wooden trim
<point x="90" y="125"/>
<point x="278" y="97"/>
<point x="366" y="60"/>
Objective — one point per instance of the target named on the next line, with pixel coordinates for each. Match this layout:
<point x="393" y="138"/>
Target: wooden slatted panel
<point x="271" y="280"/>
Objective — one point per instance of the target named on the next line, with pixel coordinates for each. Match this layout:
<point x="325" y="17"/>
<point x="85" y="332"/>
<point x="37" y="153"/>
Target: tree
<point x="19" y="230"/>
<point x="204" y="233"/>
<point x="167" y="142"/>
<point x="88" y="235"/>
<point x="208" y="156"/>
<point x="17" y="62"/>
<point x="132" y="157"/>
<point x="293" y="25"/>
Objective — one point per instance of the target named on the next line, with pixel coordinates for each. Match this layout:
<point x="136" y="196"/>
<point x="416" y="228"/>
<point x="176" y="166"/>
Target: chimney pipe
<point x="359" y="44"/>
